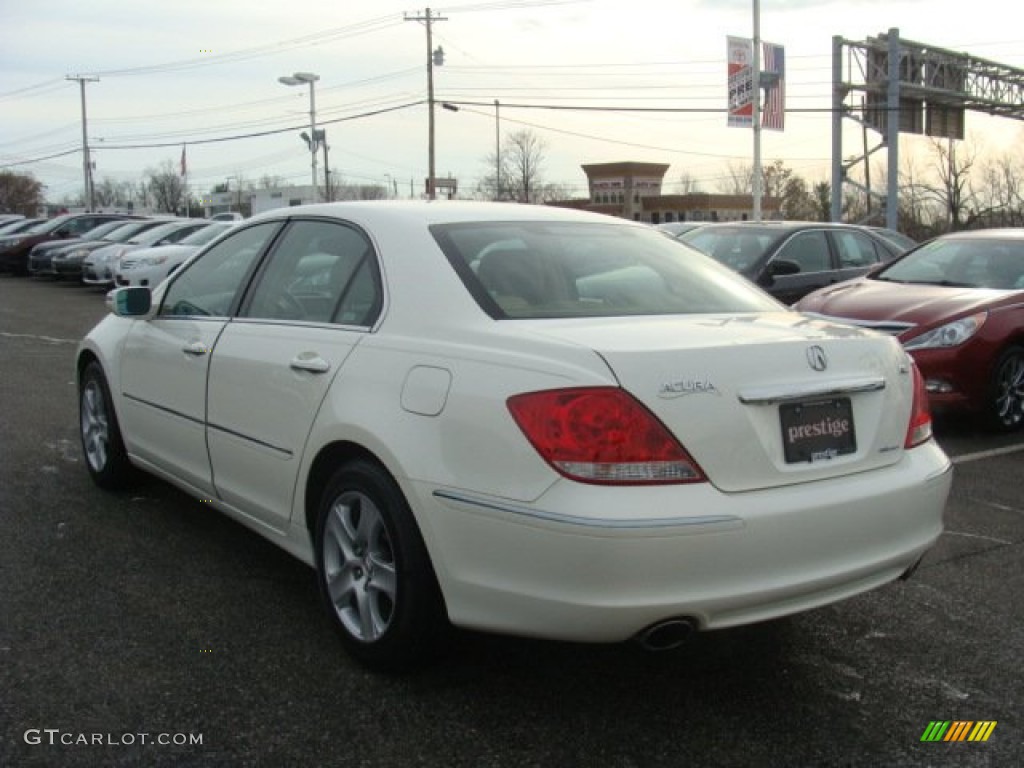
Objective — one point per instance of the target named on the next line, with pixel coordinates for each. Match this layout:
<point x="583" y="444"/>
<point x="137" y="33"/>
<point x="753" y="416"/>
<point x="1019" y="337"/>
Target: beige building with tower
<point x="633" y="190"/>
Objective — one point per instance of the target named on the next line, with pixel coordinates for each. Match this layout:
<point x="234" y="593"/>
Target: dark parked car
<point x="67" y="261"/>
<point x="40" y="258"/>
<point x="16" y="226"/>
<point x="14" y="250"/>
<point x="957" y="305"/>
<point x="789" y="259"/>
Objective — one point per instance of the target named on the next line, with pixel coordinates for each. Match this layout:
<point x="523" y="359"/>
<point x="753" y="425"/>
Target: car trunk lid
<point x="761" y="400"/>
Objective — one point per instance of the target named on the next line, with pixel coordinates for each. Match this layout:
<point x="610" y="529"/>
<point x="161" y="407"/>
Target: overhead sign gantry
<point x="910" y="87"/>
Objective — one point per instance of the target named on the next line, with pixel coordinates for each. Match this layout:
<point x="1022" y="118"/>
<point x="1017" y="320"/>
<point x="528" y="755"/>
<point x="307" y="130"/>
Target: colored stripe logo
<point x="958" y="730"/>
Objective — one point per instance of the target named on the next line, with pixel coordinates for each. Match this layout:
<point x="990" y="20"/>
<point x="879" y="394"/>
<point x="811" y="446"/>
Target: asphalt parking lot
<point x="144" y="629"/>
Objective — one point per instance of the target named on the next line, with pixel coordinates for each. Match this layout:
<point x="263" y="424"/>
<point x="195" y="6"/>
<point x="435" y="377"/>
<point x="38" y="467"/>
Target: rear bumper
<point x="586" y="563"/>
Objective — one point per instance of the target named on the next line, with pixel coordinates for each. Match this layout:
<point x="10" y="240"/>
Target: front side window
<point x="319" y="272"/>
<point x="208" y="286"/>
<point x="808" y="250"/>
<point x="518" y="270"/>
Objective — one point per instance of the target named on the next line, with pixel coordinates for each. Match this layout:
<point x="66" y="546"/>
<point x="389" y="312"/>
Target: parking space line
<point x="34" y="337"/>
<point x="978" y="455"/>
<point x="977" y="536"/>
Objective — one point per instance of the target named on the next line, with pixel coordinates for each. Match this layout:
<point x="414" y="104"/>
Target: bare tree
<point x="166" y="187"/>
<point x="739" y="179"/>
<point x="917" y="215"/>
<point x="1002" y="191"/>
<point x="343" y="190"/>
<point x="687" y="184"/>
<point x="110" y="193"/>
<point x="522" y="166"/>
<point x="492" y="186"/>
<point x="20" y="193"/>
<point x="269" y="181"/>
<point x="952" y="166"/>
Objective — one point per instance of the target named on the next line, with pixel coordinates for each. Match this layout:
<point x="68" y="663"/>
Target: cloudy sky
<point x="192" y="71"/>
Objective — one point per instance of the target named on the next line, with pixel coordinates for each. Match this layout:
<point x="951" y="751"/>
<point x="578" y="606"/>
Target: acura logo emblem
<point x="816" y="358"/>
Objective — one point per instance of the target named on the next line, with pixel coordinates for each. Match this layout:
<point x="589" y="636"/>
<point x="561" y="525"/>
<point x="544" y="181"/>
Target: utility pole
<point x="86" y="161"/>
<point x="432" y="58"/>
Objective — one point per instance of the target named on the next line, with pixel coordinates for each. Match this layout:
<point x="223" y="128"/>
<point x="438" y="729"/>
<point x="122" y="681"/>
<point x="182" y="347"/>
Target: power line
<point x="74" y="151"/>
<point x="256" y="134"/>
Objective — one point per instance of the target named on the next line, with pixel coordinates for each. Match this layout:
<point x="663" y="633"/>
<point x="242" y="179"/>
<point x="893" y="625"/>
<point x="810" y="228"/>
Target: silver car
<point x="100" y="265"/>
<point x="150" y="266"/>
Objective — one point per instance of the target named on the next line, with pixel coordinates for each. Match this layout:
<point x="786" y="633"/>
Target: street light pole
<point x="300" y="78"/>
<point x="497" y="153"/>
<point x="328" y="194"/>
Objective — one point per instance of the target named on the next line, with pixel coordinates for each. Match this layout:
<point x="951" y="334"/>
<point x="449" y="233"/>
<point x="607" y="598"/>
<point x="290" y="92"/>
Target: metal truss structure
<point x="925" y="89"/>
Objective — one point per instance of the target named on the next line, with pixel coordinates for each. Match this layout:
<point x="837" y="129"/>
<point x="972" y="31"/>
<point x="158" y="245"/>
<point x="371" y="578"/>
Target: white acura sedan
<point x="517" y="419"/>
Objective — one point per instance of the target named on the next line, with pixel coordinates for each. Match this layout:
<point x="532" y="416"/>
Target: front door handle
<point x="310" y="361"/>
<point x="196" y="348"/>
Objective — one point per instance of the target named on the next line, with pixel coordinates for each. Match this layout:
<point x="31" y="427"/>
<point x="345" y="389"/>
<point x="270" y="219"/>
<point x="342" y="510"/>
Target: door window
<point x="807" y="249"/>
<point x="209" y="285"/>
<point x="319" y="272"/>
<point x="855" y="250"/>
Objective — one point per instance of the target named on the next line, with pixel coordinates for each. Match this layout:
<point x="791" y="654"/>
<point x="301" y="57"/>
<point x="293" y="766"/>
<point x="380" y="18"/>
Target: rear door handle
<point x="310" y="361"/>
<point x="196" y="348"/>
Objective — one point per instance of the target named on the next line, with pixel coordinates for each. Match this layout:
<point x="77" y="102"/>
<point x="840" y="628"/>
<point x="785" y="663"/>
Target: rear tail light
<point x="602" y="435"/>
<point x="920" y="427"/>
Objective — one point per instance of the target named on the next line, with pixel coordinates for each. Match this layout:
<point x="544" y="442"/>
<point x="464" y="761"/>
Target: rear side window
<point x="855" y="250"/>
<point x="518" y="270"/>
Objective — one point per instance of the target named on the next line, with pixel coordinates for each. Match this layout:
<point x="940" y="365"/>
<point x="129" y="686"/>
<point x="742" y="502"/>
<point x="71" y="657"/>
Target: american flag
<point x="773" y="114"/>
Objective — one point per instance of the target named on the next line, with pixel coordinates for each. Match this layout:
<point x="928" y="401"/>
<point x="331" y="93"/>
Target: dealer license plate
<point x="817" y="431"/>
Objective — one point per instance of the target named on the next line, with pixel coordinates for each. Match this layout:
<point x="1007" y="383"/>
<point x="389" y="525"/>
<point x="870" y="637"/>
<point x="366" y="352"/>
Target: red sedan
<point x="957" y="305"/>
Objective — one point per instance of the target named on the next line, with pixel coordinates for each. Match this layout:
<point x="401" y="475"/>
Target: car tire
<point x="105" y="455"/>
<point x="1006" y="391"/>
<point x="373" y="571"/>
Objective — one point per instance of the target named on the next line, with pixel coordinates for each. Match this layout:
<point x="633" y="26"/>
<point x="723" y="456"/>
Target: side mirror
<point x="781" y="267"/>
<point x="777" y="268"/>
<point x="130" y="302"/>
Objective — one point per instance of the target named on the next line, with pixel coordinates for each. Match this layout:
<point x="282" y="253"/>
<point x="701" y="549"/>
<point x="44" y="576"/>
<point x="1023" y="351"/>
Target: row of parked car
<point x="956" y="302"/>
<point x="104" y="248"/>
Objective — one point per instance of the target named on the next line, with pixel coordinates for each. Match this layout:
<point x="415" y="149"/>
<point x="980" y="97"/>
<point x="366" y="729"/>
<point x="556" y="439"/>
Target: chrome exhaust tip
<point x="666" y="635"/>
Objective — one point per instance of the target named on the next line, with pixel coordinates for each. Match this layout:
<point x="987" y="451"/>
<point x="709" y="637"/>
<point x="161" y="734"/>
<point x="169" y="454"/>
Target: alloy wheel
<point x="359" y="566"/>
<point x="95" y="426"/>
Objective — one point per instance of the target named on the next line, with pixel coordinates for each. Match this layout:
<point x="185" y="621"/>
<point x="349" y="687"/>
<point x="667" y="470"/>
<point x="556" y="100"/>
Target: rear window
<point x="518" y="270"/>
<point x="739" y="248"/>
